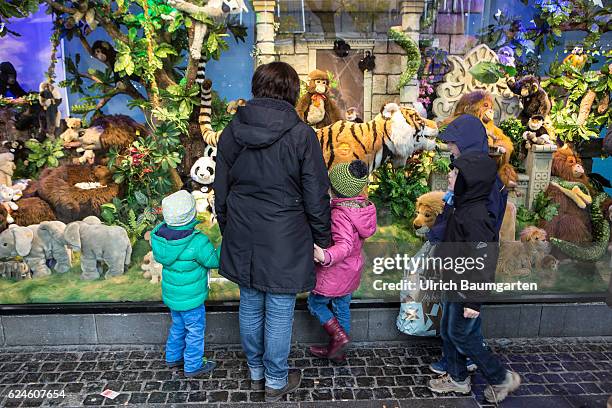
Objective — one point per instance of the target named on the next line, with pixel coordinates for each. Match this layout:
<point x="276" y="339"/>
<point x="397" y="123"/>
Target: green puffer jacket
<point x="186" y="262"/>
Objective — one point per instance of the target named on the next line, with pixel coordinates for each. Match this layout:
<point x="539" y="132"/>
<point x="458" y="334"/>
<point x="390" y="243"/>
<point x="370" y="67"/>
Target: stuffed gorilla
<point x="8" y="81"/>
<point x="533" y="97"/>
<point x="316" y="106"/>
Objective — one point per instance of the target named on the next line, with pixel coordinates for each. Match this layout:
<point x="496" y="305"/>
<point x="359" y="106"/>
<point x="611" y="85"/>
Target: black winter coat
<point x="271" y="198"/>
<point x="470" y="230"/>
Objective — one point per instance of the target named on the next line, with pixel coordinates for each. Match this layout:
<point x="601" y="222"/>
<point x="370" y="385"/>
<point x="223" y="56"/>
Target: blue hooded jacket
<point x="470" y="135"/>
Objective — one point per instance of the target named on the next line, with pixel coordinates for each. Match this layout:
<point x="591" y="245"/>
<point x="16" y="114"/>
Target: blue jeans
<point x="266" y="322"/>
<point x="186" y="338"/>
<point x="340" y="309"/>
<point x="462" y="337"/>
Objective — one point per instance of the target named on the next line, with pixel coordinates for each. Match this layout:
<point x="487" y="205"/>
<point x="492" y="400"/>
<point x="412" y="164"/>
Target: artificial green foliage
<point x="41" y="155"/>
<point x="397" y="189"/>
<point x="412" y="52"/>
<point x="544" y="209"/>
<point x="514" y="129"/>
<point x="568" y="86"/>
<point x="144" y="167"/>
<point x="489" y="72"/>
<point x="122" y="212"/>
<point x="601" y="236"/>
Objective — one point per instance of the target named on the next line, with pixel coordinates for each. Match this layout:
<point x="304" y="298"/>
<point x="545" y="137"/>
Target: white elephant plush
<point x="99" y="243"/>
<point x="40" y="245"/>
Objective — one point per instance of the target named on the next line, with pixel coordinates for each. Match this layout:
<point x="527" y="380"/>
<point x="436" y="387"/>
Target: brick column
<point x="539" y="162"/>
<point x="264" y="28"/>
<point x="410" y="11"/>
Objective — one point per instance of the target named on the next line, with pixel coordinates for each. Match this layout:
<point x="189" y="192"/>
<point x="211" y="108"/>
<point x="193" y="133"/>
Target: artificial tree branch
<point x="85" y="43"/>
<point x="192" y="65"/>
<point x="60" y="7"/>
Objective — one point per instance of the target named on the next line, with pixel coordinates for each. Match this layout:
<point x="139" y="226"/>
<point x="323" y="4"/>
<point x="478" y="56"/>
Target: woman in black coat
<point x="272" y="204"/>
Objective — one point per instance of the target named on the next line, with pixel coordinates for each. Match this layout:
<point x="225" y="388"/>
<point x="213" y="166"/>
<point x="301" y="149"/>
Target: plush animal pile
<point x="394" y="134"/>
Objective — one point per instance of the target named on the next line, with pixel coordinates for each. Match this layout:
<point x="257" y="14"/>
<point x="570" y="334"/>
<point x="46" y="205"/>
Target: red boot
<point x="322" y="352"/>
<point x="339" y="339"/>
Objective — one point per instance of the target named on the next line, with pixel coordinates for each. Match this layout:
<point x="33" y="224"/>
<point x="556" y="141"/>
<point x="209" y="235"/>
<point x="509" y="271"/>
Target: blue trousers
<point x="463" y="338"/>
<point x="319" y="307"/>
<point x="266" y="322"/>
<point x="186" y="338"/>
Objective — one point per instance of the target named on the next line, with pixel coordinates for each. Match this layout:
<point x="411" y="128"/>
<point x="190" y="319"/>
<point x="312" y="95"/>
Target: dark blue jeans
<point x="266" y="322"/>
<point x="340" y="308"/>
<point x="462" y="337"/>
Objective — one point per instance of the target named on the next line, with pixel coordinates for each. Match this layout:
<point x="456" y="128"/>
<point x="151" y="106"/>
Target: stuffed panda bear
<point x="202" y="176"/>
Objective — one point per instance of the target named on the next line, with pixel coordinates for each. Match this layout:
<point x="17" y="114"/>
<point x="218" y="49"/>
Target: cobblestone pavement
<point x="556" y="373"/>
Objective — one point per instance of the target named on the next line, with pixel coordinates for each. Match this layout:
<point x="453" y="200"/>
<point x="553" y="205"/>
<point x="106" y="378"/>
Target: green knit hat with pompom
<point x="349" y="179"/>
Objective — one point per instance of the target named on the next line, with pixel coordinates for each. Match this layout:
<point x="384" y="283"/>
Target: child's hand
<point x="470" y="313"/>
<point x="319" y="254"/>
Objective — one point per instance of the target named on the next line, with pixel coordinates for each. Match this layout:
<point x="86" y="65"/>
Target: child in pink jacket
<point x="353" y="220"/>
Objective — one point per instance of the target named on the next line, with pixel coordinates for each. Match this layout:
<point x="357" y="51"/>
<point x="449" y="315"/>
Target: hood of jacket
<point x="262" y="121"/>
<point x="168" y="251"/>
<point x="477" y="175"/>
<point x="468" y="133"/>
<point x="363" y="218"/>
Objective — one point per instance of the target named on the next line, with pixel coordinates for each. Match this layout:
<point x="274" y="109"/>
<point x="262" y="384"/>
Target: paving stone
<point x="557" y="370"/>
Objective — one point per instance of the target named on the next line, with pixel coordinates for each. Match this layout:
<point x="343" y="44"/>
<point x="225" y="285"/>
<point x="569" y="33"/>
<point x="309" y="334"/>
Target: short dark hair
<point x="276" y="80"/>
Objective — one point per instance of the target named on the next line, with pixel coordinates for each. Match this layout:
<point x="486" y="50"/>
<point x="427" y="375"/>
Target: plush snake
<point x="601" y="236"/>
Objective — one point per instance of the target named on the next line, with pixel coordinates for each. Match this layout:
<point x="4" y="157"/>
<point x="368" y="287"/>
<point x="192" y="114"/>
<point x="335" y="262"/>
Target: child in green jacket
<point x="186" y="255"/>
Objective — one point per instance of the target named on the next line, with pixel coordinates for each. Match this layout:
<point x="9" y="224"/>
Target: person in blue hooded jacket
<point x="463" y="135"/>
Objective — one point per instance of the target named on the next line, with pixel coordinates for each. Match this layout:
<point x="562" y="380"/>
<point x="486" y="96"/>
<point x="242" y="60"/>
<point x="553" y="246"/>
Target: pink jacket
<point x="350" y="226"/>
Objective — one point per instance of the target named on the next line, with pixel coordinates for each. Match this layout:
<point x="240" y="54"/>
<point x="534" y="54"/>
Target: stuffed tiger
<point x="395" y="134"/>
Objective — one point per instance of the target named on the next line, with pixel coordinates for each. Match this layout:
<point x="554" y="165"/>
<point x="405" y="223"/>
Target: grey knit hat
<point x="179" y="208"/>
<point x="349" y="179"/>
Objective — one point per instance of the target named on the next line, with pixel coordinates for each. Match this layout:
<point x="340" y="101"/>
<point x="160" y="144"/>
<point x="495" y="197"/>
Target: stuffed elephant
<point x="39" y="245"/>
<point x="99" y="243"/>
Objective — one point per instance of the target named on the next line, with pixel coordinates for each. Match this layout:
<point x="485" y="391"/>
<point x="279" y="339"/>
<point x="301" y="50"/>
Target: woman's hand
<point x="470" y="313"/>
<point x="319" y="254"/>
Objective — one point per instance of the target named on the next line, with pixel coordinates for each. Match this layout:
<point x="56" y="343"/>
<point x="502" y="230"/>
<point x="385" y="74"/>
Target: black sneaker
<point x="293" y="383"/>
<point x="258" y="385"/>
<point x="207" y="368"/>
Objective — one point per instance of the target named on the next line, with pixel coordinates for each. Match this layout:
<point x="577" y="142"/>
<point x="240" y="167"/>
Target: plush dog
<point x="8" y="196"/>
<point x="72" y="133"/>
<point x="428" y="207"/>
<point x="32" y="210"/>
<point x="152" y="269"/>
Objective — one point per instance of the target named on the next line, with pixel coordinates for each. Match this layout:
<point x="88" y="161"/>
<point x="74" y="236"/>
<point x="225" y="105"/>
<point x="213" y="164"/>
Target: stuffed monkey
<point x="50" y="99"/>
<point x="533" y="97"/>
<point x="536" y="133"/>
<point x="316" y="106"/>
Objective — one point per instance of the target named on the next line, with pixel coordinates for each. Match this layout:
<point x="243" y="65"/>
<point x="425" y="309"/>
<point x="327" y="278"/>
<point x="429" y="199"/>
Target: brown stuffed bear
<point x="31" y="211"/>
<point x="316" y="107"/>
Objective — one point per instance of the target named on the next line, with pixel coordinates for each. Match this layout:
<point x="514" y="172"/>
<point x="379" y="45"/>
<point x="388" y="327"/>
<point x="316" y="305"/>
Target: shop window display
<point x="107" y="107"/>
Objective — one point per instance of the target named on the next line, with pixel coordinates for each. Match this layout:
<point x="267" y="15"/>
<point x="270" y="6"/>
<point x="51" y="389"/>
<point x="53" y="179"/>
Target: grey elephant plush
<point x="39" y="245"/>
<point x="99" y="243"/>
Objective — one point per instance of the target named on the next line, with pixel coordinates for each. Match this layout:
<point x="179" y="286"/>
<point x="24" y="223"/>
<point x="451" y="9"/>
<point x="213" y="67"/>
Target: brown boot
<point x="339" y="338"/>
